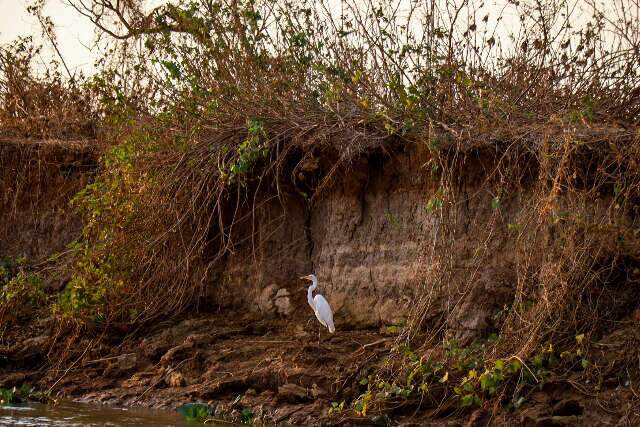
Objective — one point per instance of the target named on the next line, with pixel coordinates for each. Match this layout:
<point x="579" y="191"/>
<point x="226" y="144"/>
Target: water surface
<point x="80" y="414"/>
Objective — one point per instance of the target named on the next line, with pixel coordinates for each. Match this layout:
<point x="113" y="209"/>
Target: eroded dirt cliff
<point x="38" y="178"/>
<point x="373" y="239"/>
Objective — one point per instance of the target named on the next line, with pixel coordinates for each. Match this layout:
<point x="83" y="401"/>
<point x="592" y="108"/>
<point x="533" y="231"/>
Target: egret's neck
<point x="312" y="288"/>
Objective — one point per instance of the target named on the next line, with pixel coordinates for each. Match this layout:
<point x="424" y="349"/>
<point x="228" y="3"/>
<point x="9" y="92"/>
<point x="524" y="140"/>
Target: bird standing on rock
<point x="320" y="306"/>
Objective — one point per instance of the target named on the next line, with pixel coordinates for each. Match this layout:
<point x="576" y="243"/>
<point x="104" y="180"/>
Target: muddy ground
<point x="279" y="370"/>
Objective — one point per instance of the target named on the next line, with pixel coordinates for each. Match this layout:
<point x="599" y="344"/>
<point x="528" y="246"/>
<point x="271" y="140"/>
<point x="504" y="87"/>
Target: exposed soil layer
<point x="38" y="178"/>
<point x="370" y="240"/>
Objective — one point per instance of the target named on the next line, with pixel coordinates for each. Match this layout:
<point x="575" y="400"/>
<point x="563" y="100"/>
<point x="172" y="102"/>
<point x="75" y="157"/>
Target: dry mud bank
<point x="277" y="370"/>
<point x="372" y="240"/>
<point x="38" y="178"/>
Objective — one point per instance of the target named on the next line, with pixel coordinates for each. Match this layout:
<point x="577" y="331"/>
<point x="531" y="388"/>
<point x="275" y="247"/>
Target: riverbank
<point x="275" y="367"/>
<point x="476" y="309"/>
<point x="277" y="371"/>
<point x="472" y="213"/>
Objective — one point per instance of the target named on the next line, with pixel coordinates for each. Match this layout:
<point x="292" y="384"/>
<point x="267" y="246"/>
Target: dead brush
<point x="242" y="95"/>
<point x="245" y="101"/>
<point x="576" y="257"/>
<point x="41" y="105"/>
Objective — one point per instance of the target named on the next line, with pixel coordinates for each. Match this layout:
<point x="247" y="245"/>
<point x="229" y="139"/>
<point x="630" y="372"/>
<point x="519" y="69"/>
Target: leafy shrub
<point x="15" y="395"/>
<point x="21" y="293"/>
<point x="196" y="411"/>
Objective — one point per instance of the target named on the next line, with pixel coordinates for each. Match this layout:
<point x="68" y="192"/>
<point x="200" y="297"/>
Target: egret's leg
<point x="318" y="336"/>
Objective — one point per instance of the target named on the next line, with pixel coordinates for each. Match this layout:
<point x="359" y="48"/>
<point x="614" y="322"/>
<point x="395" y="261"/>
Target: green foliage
<point x="381" y="420"/>
<point x="617" y="188"/>
<point x="559" y="217"/>
<point x="435" y="202"/>
<point x="196" y="411"/>
<point x="101" y="273"/>
<point x="587" y="113"/>
<point x="9" y="267"/>
<point x="203" y="413"/>
<point x="247" y="416"/>
<point x="94" y="278"/>
<point x="514" y="227"/>
<point x="361" y="404"/>
<point x="7" y="396"/>
<point x="397" y="327"/>
<point x="108" y="202"/>
<point x="26" y="287"/>
<point x="464" y="358"/>
<point x="495" y="203"/>
<point x="473" y="387"/>
<point x="577" y="355"/>
<point x="21" y="292"/>
<point x="464" y="374"/>
<point x="15" y="395"/>
<point x="172" y="68"/>
<point x="392" y="220"/>
<point x="471" y="400"/>
<point x="249" y="151"/>
<point x="336" y="407"/>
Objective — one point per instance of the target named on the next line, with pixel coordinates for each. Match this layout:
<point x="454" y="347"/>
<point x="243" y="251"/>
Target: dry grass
<point x="41" y="105"/>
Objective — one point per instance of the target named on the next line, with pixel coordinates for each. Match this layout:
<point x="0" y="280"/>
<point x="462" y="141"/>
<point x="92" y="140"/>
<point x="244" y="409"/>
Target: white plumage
<point x="319" y="304"/>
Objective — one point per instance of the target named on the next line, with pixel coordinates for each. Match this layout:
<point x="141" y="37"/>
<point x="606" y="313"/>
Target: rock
<point x="300" y="331"/>
<point x="540" y="397"/>
<point x="248" y="398"/>
<point x="272" y="300"/>
<point x="30" y="349"/>
<point x="317" y="392"/>
<point x="178" y="352"/>
<point x="139" y="379"/>
<point x="283" y="302"/>
<point x="127" y="362"/>
<point x="36" y="343"/>
<point x="267" y="395"/>
<point x="121" y="366"/>
<point x="265" y="299"/>
<point x="200" y="339"/>
<point x="185" y="332"/>
<point x="292" y="393"/>
<point x="175" y="379"/>
<point x="302" y="416"/>
<point x="154" y="348"/>
<point x="284" y="412"/>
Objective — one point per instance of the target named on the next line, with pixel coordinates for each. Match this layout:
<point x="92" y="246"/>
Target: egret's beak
<point x="305" y="278"/>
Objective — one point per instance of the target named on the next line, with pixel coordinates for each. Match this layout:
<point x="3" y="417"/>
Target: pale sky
<point x="75" y="32"/>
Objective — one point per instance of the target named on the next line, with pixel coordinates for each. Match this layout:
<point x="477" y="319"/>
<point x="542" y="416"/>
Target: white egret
<point x="320" y="305"/>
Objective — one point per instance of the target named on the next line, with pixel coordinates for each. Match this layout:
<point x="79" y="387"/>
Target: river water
<point x="79" y="414"/>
